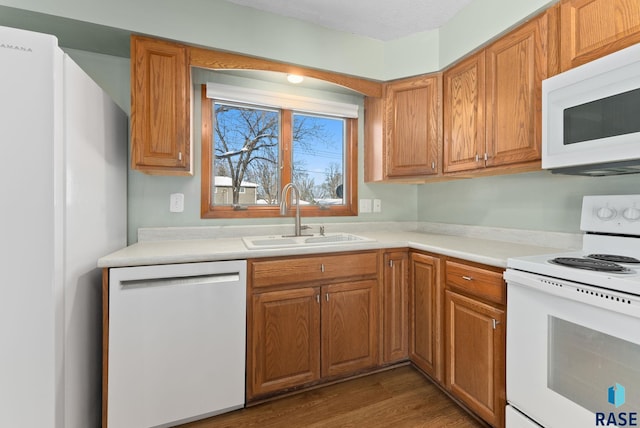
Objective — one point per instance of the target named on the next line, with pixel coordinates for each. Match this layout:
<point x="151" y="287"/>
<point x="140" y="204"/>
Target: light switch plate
<point x="176" y="203"/>
<point x="365" y="205"/>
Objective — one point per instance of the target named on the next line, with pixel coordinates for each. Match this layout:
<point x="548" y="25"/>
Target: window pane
<point x="318" y="158"/>
<point x="245" y="164"/>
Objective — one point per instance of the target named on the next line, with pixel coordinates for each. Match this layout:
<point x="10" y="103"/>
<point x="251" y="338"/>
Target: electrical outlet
<point x="365" y="205"/>
<point x="176" y="203"/>
<point x="377" y="206"/>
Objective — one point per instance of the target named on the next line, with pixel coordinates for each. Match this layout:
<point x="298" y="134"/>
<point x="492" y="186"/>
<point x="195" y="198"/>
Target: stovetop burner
<point x="614" y="258"/>
<point x="590" y="264"/>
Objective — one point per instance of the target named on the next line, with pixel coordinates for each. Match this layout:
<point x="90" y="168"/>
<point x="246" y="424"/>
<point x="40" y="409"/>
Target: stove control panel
<point x="619" y="214"/>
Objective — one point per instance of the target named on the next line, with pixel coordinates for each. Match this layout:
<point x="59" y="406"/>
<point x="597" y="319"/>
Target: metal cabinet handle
<point x="318" y="298"/>
<point x="180" y="156"/>
<point x="390" y="263"/>
<point x="433" y="165"/>
<point x="467" y="278"/>
<point x="326" y="296"/>
<point x="322" y="267"/>
<point x="495" y="323"/>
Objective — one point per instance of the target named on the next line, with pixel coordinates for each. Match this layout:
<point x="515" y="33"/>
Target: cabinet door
<point x="516" y="65"/>
<point x="594" y="28"/>
<point x="425" y="308"/>
<point x="413" y="118"/>
<point x="284" y="343"/>
<point x="464" y="127"/>
<point x="349" y="327"/>
<point x="395" y="317"/>
<point x="475" y="355"/>
<point x="160" y="107"/>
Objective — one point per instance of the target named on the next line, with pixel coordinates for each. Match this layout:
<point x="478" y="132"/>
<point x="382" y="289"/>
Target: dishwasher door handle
<point x="181" y="280"/>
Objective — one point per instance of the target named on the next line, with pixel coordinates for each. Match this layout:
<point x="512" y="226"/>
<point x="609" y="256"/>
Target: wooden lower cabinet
<point x="425" y="314"/>
<point x="446" y="315"/>
<point x="300" y="335"/>
<point x="475" y="337"/>
<point x="286" y="343"/>
<point x="349" y="333"/>
<point x="395" y="306"/>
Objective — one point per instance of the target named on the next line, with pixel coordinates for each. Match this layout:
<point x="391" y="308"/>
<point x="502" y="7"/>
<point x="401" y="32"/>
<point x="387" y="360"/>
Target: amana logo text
<point x="15" y="47"/>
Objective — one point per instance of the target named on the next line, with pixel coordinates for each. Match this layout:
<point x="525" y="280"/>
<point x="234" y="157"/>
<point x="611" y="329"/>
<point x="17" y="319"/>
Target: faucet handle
<point x="321" y="230"/>
<point x="305" y="227"/>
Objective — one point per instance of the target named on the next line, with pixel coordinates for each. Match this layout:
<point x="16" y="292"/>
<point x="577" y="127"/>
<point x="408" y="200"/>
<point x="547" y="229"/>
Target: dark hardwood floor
<point x="400" y="397"/>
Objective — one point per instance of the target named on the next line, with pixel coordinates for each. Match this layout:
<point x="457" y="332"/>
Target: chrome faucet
<point x="283" y="206"/>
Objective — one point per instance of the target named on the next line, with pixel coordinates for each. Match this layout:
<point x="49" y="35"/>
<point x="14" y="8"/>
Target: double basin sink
<point x="279" y="241"/>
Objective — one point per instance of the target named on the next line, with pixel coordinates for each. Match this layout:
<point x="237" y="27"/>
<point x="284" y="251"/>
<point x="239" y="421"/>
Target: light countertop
<point x="486" y="251"/>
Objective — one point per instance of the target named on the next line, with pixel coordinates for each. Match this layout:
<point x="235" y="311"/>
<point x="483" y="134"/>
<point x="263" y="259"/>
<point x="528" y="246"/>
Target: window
<point x="251" y="150"/>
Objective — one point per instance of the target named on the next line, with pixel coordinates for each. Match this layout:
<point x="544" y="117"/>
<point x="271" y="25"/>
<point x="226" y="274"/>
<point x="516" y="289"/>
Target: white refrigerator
<point x="63" y="205"/>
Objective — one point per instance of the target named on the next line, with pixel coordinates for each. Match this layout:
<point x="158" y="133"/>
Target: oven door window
<point x="587" y="367"/>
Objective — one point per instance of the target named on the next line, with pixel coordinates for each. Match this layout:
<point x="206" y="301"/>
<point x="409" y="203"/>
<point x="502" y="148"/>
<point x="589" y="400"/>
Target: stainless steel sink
<point x="278" y="241"/>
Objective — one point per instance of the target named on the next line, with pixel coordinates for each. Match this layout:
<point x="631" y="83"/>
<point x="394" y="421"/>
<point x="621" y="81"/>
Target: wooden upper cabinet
<point x="493" y="101"/>
<point x="403" y="130"/>
<point x="591" y="29"/>
<point x="160" y="107"/>
<point x="464" y="99"/>
<point x="516" y="65"/>
<point x="414" y="126"/>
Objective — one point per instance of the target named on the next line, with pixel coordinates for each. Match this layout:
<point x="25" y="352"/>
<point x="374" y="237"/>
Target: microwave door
<point x="590" y="114"/>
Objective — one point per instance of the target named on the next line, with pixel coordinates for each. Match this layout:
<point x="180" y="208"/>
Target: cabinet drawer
<point x="297" y="270"/>
<point x="483" y="283"/>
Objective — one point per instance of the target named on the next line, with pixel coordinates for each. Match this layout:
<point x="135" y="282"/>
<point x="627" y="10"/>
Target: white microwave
<point x="591" y="117"/>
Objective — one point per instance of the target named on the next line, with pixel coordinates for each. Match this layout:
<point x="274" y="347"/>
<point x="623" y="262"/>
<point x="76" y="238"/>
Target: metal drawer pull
<point x="467" y="278"/>
<point x="322" y="267"/>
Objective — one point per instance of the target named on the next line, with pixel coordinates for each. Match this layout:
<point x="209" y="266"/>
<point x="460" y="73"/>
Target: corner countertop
<point x="481" y="250"/>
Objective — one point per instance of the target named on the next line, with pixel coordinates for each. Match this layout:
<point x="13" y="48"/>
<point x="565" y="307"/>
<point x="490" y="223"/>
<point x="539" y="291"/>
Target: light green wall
<point x="533" y="201"/>
<point x="112" y="74"/>
<point x="481" y="21"/>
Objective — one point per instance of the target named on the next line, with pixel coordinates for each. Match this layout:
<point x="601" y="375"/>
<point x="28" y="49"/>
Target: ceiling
<point x="378" y="19"/>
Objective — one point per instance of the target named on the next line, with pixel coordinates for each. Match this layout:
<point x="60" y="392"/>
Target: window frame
<point x="350" y="182"/>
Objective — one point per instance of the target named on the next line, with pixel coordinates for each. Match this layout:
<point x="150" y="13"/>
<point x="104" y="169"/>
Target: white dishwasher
<point x="176" y="343"/>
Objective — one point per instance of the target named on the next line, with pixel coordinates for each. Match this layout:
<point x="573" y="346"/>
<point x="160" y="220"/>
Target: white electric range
<point x="573" y="325"/>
